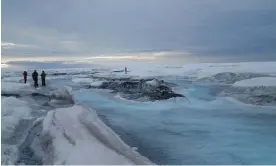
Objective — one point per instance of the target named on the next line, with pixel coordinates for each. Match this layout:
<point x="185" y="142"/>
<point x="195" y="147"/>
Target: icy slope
<point x="229" y="77"/>
<point x="255" y="82"/>
<point x="12" y="111"/>
<point x="76" y="135"/>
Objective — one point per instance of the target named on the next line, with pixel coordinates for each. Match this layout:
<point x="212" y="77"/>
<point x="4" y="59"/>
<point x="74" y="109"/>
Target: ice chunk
<point x="63" y="94"/>
<point x="255" y="82"/>
<point x="96" y="83"/>
<point x="76" y="135"/>
<point x="153" y="82"/>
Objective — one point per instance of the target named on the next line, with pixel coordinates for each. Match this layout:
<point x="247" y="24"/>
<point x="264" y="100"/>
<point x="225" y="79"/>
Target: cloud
<point x="205" y="29"/>
<point x="7" y="45"/>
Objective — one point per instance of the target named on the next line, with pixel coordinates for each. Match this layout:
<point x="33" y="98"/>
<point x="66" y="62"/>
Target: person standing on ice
<point x="25" y="74"/>
<point x="35" y="78"/>
<point x="43" y="77"/>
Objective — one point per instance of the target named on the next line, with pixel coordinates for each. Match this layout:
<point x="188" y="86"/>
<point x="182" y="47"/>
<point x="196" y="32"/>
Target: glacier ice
<point x="229" y="77"/>
<point x="257" y="82"/>
<point x="16" y="88"/>
<point x="12" y="111"/>
<point x="76" y="135"/>
<point x="62" y="96"/>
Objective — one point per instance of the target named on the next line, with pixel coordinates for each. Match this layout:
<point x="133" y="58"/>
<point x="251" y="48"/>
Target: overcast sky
<point x="199" y="30"/>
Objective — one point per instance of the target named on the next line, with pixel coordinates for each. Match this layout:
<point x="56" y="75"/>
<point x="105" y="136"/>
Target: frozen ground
<point x="229" y="118"/>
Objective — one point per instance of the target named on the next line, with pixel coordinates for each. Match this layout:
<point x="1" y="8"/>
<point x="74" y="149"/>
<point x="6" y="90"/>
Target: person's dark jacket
<point x="35" y="76"/>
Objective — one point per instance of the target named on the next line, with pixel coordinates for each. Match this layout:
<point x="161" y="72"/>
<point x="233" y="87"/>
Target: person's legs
<point x="25" y="80"/>
<point x="43" y="82"/>
<point x="36" y="84"/>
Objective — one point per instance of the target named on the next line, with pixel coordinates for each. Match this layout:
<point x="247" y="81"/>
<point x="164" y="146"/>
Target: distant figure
<point x="125" y="70"/>
<point x="43" y="77"/>
<point x="35" y="78"/>
<point x="25" y="74"/>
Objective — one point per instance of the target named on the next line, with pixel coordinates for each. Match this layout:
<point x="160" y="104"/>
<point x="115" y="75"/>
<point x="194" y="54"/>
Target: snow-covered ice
<point x="255" y="82"/>
<point x="64" y="94"/>
<point x="229" y="77"/>
<point x="12" y="111"/>
<point x="78" y="136"/>
<point x="191" y="70"/>
<point x="82" y="80"/>
<point x="88" y="81"/>
<point x="96" y="83"/>
<point x="17" y="88"/>
<point x="213" y="128"/>
<point x="152" y="82"/>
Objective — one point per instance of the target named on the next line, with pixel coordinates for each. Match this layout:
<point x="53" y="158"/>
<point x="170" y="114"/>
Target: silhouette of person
<point x="43" y="78"/>
<point x="25" y="74"/>
<point x="35" y="78"/>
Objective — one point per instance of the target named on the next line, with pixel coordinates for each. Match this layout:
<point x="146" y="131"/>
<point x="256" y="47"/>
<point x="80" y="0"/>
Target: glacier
<point x="228" y="118"/>
<point x="75" y="128"/>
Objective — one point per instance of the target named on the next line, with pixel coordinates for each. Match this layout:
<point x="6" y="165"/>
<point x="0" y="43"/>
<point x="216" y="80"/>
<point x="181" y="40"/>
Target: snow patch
<point x="153" y="82"/>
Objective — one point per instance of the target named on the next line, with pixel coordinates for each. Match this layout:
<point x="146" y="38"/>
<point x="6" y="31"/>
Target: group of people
<point x="35" y="78"/>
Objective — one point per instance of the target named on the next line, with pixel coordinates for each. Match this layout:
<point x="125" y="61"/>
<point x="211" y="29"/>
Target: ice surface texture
<point x="76" y="135"/>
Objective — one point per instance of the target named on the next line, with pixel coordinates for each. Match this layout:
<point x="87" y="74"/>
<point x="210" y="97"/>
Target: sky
<point x="168" y="31"/>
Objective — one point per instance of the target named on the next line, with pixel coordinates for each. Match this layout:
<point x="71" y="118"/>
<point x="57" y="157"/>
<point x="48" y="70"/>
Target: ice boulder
<point x="62" y="96"/>
<point x="153" y="82"/>
<point x="76" y="135"/>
